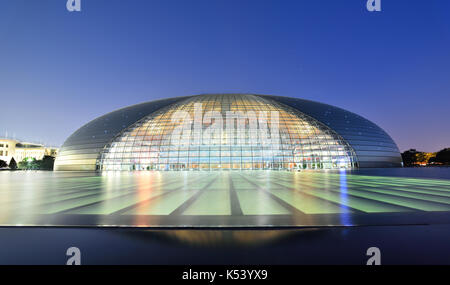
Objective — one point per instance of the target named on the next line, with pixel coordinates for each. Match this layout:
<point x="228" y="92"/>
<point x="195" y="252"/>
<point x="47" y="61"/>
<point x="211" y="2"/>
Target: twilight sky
<point x="59" y="70"/>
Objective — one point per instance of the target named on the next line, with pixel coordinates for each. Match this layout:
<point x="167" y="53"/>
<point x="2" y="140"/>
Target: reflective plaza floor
<point x="220" y="199"/>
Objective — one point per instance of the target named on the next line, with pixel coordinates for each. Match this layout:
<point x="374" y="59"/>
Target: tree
<point x="432" y="160"/>
<point x="46" y="163"/>
<point x="3" y="164"/>
<point x="33" y="164"/>
<point x="410" y="157"/>
<point x="443" y="156"/>
<point x="413" y="157"/>
<point x="424" y="157"/>
<point x="28" y="163"/>
<point x="23" y="164"/>
<point x="13" y="164"/>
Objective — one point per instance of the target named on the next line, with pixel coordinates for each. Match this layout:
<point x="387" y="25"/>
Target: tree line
<point x="46" y="163"/>
<point x="413" y="157"/>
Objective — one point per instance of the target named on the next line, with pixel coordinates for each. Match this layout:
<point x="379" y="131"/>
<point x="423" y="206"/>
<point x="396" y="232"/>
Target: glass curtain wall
<point x="229" y="131"/>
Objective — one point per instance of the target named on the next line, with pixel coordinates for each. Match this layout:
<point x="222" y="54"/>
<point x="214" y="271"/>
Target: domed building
<point x="228" y="131"/>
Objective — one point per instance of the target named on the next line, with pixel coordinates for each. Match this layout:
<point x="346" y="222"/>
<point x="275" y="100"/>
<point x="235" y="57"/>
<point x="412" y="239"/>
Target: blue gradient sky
<point x="58" y="70"/>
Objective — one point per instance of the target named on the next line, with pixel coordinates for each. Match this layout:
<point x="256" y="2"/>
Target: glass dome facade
<point x="226" y="131"/>
<point x="194" y="133"/>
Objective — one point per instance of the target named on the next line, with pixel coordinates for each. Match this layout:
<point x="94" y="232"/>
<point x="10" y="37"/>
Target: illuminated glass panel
<point x="229" y="131"/>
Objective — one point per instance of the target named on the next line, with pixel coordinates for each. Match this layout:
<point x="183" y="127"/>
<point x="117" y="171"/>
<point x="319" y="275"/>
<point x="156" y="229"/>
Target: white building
<point x="18" y="150"/>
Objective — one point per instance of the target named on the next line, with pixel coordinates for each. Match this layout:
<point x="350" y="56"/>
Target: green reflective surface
<point x="219" y="199"/>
